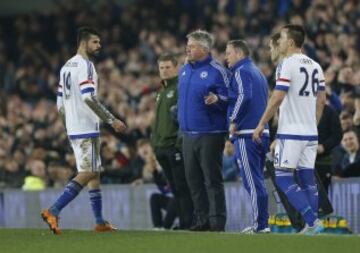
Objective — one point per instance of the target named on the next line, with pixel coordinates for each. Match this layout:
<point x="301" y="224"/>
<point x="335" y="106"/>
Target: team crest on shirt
<point x="170" y="94"/>
<point x="183" y="73"/>
<point x="157" y="97"/>
<point x="203" y="74"/>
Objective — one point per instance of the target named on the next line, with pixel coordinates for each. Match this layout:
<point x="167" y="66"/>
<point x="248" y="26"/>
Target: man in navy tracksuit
<point x="202" y="106"/>
<point x="248" y="94"/>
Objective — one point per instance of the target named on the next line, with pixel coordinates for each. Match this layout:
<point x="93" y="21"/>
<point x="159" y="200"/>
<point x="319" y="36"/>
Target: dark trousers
<point x="324" y="172"/>
<point x="158" y="203"/>
<point x="171" y="162"/>
<point x="203" y="162"/>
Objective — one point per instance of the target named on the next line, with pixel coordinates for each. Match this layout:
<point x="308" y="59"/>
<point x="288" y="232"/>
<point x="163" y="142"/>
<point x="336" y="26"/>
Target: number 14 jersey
<point x="301" y="77"/>
<point x="78" y="80"/>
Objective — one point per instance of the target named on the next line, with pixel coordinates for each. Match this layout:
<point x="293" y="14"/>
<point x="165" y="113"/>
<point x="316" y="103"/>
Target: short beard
<point x="92" y="54"/>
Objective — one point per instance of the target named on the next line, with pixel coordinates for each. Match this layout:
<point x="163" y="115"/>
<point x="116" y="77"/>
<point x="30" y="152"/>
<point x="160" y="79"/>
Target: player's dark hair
<point x="296" y="33"/>
<point x="168" y="56"/>
<point x="240" y="44"/>
<point x="274" y="39"/>
<point x="84" y="33"/>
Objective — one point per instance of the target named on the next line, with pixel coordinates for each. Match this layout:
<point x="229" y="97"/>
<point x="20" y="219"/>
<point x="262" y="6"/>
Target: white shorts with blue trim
<point x="87" y="154"/>
<point x="295" y="153"/>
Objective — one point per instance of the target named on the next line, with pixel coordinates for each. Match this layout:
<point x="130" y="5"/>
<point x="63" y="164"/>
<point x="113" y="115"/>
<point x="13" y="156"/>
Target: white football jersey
<point x="78" y="79"/>
<point x="302" y="78"/>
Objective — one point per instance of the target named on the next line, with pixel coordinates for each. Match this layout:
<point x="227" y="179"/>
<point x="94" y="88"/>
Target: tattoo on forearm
<point x="99" y="110"/>
<point x="62" y="115"/>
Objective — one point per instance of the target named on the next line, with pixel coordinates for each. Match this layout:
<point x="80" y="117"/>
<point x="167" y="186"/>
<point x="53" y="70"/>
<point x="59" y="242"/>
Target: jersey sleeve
<point x="321" y="80"/>
<point x="283" y="76"/>
<point x="86" y="78"/>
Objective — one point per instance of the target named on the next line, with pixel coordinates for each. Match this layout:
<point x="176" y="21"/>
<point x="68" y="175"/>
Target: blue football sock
<point x="295" y="195"/>
<point x="96" y="205"/>
<point x="307" y="183"/>
<point x="71" y="190"/>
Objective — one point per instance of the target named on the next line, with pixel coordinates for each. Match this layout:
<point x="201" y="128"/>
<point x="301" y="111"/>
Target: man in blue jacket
<point x="202" y="106"/>
<point x="248" y="94"/>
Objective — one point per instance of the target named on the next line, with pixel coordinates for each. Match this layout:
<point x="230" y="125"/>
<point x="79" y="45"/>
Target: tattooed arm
<point x="103" y="113"/>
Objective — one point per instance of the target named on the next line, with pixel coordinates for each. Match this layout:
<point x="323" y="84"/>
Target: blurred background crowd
<point x="34" y="149"/>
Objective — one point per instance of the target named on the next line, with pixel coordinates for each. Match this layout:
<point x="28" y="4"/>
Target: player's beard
<point x="92" y="53"/>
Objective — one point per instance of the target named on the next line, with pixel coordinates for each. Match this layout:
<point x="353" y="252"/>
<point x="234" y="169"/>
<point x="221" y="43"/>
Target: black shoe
<point x="200" y="227"/>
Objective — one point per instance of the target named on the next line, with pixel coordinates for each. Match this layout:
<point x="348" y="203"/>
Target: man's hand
<point x="211" y="98"/>
<point x="272" y="147"/>
<point x="320" y="149"/>
<point x="232" y="129"/>
<point x="118" y="126"/>
<point x="258" y="133"/>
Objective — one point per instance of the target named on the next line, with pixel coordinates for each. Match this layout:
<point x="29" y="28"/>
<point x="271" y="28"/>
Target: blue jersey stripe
<point x="281" y="87"/>
<point x="297" y="137"/>
<point x="87" y="90"/>
<point x="83" y="136"/>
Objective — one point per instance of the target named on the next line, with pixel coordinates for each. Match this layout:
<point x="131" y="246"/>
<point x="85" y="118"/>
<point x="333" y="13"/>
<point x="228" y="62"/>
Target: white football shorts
<point x="295" y="153"/>
<point x="87" y="154"/>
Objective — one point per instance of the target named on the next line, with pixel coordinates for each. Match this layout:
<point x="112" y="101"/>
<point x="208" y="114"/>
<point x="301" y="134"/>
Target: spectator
<point x="36" y="180"/>
<point x="350" y="163"/>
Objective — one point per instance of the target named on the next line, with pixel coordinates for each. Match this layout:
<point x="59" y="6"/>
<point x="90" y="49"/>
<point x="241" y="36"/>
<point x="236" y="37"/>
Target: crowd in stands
<point x="34" y="150"/>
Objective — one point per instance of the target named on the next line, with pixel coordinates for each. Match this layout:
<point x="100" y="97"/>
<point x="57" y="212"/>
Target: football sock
<point x="308" y="185"/>
<point x="96" y="205"/>
<point x="296" y="196"/>
<point x="71" y="190"/>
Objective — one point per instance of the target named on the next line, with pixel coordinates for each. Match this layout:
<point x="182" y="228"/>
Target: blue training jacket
<point x="196" y="80"/>
<point x="248" y="95"/>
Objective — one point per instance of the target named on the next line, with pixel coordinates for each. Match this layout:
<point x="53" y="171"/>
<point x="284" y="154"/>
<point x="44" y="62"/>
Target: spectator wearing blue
<point x="202" y="107"/>
<point x="248" y="94"/>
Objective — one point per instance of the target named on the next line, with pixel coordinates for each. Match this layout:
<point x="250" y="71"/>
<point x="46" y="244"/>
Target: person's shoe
<point x="251" y="230"/>
<point x="318" y="228"/>
<point x="264" y="231"/>
<point x="51" y="220"/>
<point x="200" y="227"/>
<point x="105" y="227"/>
<point x="248" y="230"/>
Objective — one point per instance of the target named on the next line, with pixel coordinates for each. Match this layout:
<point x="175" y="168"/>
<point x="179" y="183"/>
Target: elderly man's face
<point x="195" y="51"/>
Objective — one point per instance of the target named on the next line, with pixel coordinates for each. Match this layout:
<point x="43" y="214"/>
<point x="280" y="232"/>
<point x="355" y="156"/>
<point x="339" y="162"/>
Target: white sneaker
<point x="264" y="231"/>
<point x="314" y="230"/>
<point x="248" y="230"/>
<point x="251" y="230"/>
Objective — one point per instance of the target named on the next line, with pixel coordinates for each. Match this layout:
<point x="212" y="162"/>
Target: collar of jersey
<point x="240" y="63"/>
<point x="170" y="81"/>
<point x="199" y="64"/>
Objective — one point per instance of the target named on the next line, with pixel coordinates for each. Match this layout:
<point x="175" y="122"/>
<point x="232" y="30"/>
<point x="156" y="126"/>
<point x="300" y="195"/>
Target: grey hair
<point x="204" y="38"/>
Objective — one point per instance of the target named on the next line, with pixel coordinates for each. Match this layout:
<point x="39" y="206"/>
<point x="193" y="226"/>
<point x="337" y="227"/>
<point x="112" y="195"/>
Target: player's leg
<point x="94" y="188"/>
<point x="81" y="149"/>
<point x="306" y="175"/>
<point x="287" y="155"/>
<point x="252" y="157"/>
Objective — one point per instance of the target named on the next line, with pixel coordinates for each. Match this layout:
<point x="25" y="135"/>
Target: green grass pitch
<point x="73" y="241"/>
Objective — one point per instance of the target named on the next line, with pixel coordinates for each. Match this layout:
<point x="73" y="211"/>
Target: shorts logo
<point x="203" y="74"/>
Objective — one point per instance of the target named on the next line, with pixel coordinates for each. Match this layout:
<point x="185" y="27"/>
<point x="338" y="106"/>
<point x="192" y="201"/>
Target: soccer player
<point x="81" y="111"/>
<point x="248" y="94"/>
<point x="300" y="94"/>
